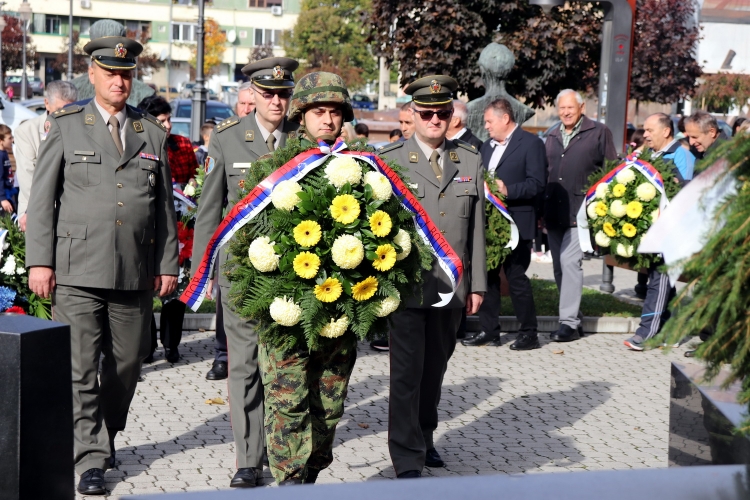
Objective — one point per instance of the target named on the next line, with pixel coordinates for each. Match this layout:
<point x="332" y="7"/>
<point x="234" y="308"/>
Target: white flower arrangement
<point x="347" y="251"/>
<point x="336" y="328"/>
<point x="645" y="191"/>
<point x="624" y="250"/>
<point x="625" y="176"/>
<point x="381" y="187"/>
<point x="602" y="239"/>
<point x="284" y="195"/>
<point x="189" y="190"/>
<point x="285" y="312"/>
<point x="655" y="215"/>
<point x="601" y="191"/>
<point x="618" y="209"/>
<point x="262" y="255"/>
<point x="388" y="306"/>
<point x="591" y="211"/>
<point x="9" y="268"/>
<point x="343" y="169"/>
<point x="402" y="239"/>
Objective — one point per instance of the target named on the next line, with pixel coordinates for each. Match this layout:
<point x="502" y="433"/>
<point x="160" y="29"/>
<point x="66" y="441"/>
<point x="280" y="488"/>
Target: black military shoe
<point x="481" y="339"/>
<point x="380" y="345"/>
<point x="432" y="459"/>
<point x="173" y="355"/>
<point x="312" y="476"/>
<point x="525" y="342"/>
<point x="291" y="482"/>
<point x="92" y="483"/>
<point x="410" y="474"/>
<point x="245" y="478"/>
<point x="218" y="371"/>
<point x="565" y="334"/>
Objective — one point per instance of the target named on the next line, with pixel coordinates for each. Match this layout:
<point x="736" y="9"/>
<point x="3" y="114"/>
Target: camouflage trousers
<point x="305" y="393"/>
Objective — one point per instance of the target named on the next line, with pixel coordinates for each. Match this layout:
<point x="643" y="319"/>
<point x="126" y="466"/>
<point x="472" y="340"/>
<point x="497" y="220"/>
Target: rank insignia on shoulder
<point x="209" y="165"/>
<point x="90" y="119"/>
<point x="249" y="135"/>
<point x="413" y="157"/>
<point x="462" y="179"/>
<point x="454" y="157"/>
<point x="138" y="127"/>
<point x="148" y="156"/>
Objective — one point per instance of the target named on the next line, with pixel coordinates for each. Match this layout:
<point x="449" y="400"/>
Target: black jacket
<point x="569" y="169"/>
<point x="469" y="137"/>
<point x="523" y="170"/>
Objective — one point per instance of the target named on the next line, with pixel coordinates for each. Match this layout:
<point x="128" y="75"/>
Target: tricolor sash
<point x="297" y="168"/>
<point x="632" y="161"/>
<point x="182" y="199"/>
<point x="497" y="203"/>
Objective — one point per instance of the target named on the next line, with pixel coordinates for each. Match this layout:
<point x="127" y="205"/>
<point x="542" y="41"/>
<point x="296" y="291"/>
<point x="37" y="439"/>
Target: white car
<point x="13" y="114"/>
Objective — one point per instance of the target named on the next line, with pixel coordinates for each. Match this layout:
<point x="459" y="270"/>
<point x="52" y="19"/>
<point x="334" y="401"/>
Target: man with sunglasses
<point x="448" y="178"/>
<point x="237" y="142"/>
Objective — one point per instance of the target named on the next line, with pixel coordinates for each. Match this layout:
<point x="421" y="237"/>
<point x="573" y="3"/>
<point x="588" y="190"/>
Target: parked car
<point x="12" y="114"/>
<point x="181" y="126"/>
<point x="37" y="86"/>
<point x="361" y="101"/>
<point x="15" y="84"/>
<point x="182" y="108"/>
<point x="36" y="105"/>
<point x="172" y="90"/>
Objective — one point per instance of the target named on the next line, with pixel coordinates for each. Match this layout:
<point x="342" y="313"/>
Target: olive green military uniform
<point x="235" y="144"/>
<point x="104" y="222"/>
<point x="423" y="338"/>
<point x="305" y="390"/>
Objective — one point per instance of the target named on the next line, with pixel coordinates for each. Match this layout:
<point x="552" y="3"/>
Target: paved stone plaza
<point x="594" y="406"/>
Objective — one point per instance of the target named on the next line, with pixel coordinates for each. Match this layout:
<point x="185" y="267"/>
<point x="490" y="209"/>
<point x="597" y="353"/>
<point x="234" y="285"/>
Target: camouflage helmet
<point x="317" y="88"/>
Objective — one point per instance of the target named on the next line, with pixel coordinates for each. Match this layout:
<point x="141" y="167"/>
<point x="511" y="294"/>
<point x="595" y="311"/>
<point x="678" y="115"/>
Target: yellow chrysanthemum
<point x="628" y="230"/>
<point x="634" y="209"/>
<point x="609" y="230"/>
<point x="365" y="288"/>
<point x="386" y="258"/>
<point x="601" y="209"/>
<point x="380" y="223"/>
<point x="618" y="190"/>
<point x="336" y="328"/>
<point x="328" y="291"/>
<point x="307" y="233"/>
<point x="306" y="265"/>
<point x="345" y="209"/>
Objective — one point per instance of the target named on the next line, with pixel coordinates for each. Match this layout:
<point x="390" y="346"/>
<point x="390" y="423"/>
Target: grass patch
<point x="207" y="307"/>
<point x="593" y="303"/>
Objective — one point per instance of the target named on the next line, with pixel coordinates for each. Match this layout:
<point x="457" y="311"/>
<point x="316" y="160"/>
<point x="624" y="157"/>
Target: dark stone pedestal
<point x="702" y="419"/>
<point x="36" y="410"/>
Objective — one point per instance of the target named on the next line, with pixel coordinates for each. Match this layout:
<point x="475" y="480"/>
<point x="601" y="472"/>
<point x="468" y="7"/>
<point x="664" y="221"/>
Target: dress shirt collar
<point x="505" y="141"/>
<point x="458" y="134"/>
<point x="265" y="133"/>
<point x="120" y="115"/>
<point x="427" y="149"/>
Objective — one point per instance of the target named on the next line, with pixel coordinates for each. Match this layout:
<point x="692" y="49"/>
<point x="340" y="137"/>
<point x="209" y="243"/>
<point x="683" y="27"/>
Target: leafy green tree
<point x="214" y="45"/>
<point x="13" y="48"/>
<point x="329" y="36"/>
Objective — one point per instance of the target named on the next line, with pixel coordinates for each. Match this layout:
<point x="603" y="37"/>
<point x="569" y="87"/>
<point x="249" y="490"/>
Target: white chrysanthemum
<point x="20" y="270"/>
<point x="262" y="255"/>
<point x="655" y="215"/>
<point x="285" y="312"/>
<point x="624" y="250"/>
<point x="189" y="190"/>
<point x="284" y="196"/>
<point x="347" y="251"/>
<point x="646" y="191"/>
<point x="403" y="240"/>
<point x="602" y="239"/>
<point x="618" y="208"/>
<point x="625" y="176"/>
<point x="601" y="191"/>
<point x="387" y="306"/>
<point x="381" y="186"/>
<point x="335" y="328"/>
<point x="343" y="169"/>
<point x="591" y="211"/>
<point x="9" y="268"/>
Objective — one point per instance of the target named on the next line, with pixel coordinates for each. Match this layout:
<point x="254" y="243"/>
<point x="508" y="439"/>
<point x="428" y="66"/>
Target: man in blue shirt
<point x="659" y="135"/>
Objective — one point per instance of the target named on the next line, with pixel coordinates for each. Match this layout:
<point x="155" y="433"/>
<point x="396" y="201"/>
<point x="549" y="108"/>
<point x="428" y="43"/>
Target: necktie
<point x="271" y="142"/>
<point x="435" y="166"/>
<point x="115" y="132"/>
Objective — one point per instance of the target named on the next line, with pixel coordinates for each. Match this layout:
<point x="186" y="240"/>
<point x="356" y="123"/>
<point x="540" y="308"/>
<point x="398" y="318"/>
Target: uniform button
<point x="559" y="179"/>
<point x="442" y="231"/>
<point x="68" y="233"/>
<point x="466" y="191"/>
<point x="119" y="222"/>
<point x="120" y="204"/>
<point x="562" y="155"/>
<point x="442" y="195"/>
<point x="243" y="170"/>
<point x="84" y="158"/>
<point x="118" y="169"/>
<point x="442" y="214"/>
<point x="119" y="185"/>
<point x="152" y="240"/>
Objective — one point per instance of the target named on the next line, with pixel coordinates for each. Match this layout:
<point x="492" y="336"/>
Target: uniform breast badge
<point x="152" y="179"/>
<point x="148" y="156"/>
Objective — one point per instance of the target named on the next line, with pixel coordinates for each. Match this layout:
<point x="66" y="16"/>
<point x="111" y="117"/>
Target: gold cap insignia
<point x="120" y="50"/>
<point x="435" y="86"/>
<point x="278" y="73"/>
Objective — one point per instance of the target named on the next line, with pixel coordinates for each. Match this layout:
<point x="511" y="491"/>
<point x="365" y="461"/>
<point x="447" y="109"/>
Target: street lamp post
<point x="70" y="42"/>
<point x="199" y="92"/>
<point x="25" y="11"/>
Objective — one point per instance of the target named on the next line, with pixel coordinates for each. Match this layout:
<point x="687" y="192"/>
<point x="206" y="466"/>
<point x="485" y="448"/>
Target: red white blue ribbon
<point x="181" y="197"/>
<point x="631" y="162"/>
<point x="297" y="168"/>
<point x="497" y="203"/>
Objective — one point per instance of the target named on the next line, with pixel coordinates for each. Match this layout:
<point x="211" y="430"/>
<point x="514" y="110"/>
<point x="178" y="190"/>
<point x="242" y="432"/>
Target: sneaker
<point x="634" y="343"/>
<point x="380" y="345"/>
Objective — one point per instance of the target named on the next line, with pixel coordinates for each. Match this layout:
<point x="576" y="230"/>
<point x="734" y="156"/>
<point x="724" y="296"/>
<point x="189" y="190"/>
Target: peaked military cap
<point x="114" y="52"/>
<point x="432" y="90"/>
<point x="272" y="72"/>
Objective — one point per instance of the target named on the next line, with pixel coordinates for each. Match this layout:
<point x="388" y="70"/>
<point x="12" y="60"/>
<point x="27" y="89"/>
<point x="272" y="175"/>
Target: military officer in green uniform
<point x="449" y="181"/>
<point x="305" y="390"/>
<point x="101" y="238"/>
<point x="235" y="144"/>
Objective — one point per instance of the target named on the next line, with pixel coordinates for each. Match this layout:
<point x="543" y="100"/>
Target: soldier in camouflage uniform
<point x="305" y="390"/>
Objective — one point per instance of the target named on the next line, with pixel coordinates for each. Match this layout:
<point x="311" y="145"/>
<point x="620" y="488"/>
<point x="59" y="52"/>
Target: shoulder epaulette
<point x="223" y="125"/>
<point x="466" y="146"/>
<point x="390" y="147"/>
<point x="68" y="110"/>
<point x="153" y="120"/>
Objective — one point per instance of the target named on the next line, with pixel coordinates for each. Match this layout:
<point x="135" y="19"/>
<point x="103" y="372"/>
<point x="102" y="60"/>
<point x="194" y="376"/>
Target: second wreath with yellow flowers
<point x="334" y="252"/>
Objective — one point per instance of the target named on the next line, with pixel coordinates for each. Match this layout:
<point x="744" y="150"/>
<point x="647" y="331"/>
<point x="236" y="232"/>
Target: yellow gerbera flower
<point x="345" y="209"/>
<point x="634" y="209"/>
<point x="365" y="288"/>
<point x="386" y="258"/>
<point x="306" y="265"/>
<point x="609" y="230"/>
<point x="328" y="291"/>
<point x="601" y="209"/>
<point x="628" y="230"/>
<point x="618" y="190"/>
<point x="307" y="233"/>
<point x="380" y="223"/>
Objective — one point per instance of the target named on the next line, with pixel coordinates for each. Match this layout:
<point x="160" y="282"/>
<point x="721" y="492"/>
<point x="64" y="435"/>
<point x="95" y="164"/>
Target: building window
<point x="183" y="32"/>
<point x="259" y="4"/>
<point x="85" y="27"/>
<point x="272" y="37"/>
<point x="52" y="25"/>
